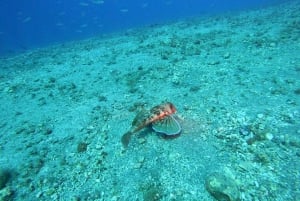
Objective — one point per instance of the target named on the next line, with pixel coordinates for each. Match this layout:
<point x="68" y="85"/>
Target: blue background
<point x="26" y="24"/>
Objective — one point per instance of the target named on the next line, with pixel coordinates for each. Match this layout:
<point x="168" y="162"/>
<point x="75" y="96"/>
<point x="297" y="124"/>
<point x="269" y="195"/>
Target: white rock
<point x="260" y="116"/>
<point x="269" y="136"/>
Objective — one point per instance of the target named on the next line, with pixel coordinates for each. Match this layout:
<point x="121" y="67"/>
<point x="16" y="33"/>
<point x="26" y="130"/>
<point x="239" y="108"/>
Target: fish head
<point x="169" y="108"/>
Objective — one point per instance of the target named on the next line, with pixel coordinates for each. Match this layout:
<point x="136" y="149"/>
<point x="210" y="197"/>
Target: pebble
<point x="137" y="165"/>
<point x="75" y="198"/>
<point x="6" y="193"/>
<point x="114" y="198"/>
<point x="226" y="55"/>
<point x="39" y="194"/>
<point x="244" y="166"/>
<point x="260" y="116"/>
<point x="141" y="159"/>
<point x="269" y="136"/>
<point x="294" y="141"/>
<point x="213" y="62"/>
<point x="245" y="130"/>
<point x="141" y="140"/>
<point x="4" y="177"/>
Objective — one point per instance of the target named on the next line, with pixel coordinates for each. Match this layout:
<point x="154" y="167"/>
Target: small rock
<point x="142" y="140"/>
<point x="213" y="62"/>
<point x="6" y="193"/>
<point x="81" y="147"/>
<point x="39" y="194"/>
<point x="102" y="98"/>
<point x="141" y="159"/>
<point x="269" y="136"/>
<point x="245" y="130"/>
<point x="137" y="165"/>
<point x="4" y="177"/>
<point x="260" y="116"/>
<point x="114" y="198"/>
<point x="294" y="141"/>
<point x="194" y="88"/>
<point x="48" y="131"/>
<point x="226" y="55"/>
<point x="222" y="188"/>
<point x="244" y="166"/>
<point x="76" y="198"/>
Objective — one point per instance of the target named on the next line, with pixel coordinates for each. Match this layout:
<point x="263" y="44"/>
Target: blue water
<point x="36" y="23"/>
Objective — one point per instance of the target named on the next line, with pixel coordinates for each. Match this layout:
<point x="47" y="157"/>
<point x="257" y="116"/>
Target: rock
<point x="260" y="116"/>
<point x="226" y="55"/>
<point x="222" y="188"/>
<point x="213" y="62"/>
<point x="4" y="177"/>
<point x="81" y="147"/>
<point x="269" y="136"/>
<point x="294" y="141"/>
<point x="6" y="193"/>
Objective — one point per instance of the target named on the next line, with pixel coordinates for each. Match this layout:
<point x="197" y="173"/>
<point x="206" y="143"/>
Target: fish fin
<point x="168" y="126"/>
<point x="126" y="139"/>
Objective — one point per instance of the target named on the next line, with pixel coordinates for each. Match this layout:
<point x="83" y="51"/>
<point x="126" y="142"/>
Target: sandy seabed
<point x="235" y="80"/>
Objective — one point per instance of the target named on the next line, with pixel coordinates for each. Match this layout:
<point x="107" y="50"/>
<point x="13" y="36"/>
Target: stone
<point x="213" y="62"/>
<point x="4" y="177"/>
<point x="294" y="141"/>
<point x="81" y="147"/>
<point x="269" y="136"/>
<point x="6" y="193"/>
<point x="260" y="116"/>
<point x="226" y="55"/>
<point x="222" y="188"/>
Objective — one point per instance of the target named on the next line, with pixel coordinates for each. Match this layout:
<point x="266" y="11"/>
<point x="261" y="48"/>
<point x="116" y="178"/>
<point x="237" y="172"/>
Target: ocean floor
<point x="235" y="80"/>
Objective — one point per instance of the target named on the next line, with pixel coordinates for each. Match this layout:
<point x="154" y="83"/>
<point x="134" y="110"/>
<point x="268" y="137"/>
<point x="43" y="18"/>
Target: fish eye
<point x="172" y="107"/>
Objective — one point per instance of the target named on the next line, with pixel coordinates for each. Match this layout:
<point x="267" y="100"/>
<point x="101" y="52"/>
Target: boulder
<point x="222" y="188"/>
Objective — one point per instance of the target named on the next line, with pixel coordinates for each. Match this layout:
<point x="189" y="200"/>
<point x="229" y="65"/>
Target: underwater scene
<point x="197" y="105"/>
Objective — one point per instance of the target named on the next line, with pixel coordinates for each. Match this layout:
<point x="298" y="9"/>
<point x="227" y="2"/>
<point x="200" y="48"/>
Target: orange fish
<point x="161" y="118"/>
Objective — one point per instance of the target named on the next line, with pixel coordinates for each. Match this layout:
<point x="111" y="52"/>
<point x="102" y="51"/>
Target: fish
<point x="160" y="117"/>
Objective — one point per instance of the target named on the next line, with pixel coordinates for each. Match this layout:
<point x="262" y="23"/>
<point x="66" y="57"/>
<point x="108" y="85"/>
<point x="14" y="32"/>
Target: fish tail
<point x="126" y="138"/>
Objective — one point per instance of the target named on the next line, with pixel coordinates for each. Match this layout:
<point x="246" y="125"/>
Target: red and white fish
<point x="160" y="117"/>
